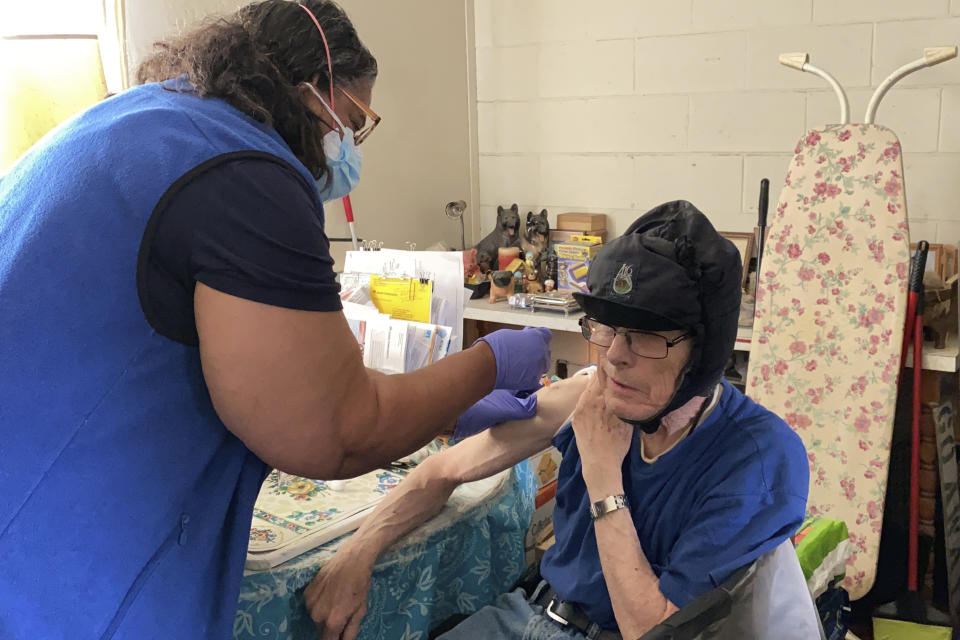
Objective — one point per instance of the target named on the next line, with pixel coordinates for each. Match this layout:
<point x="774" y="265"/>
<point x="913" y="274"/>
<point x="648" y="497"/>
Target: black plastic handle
<point x="918" y="265"/>
<point x="764" y="203"/>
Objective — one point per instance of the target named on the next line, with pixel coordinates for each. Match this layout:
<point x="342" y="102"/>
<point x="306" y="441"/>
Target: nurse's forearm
<point x="397" y="413"/>
<point x="634" y="588"/>
<point x="292" y="386"/>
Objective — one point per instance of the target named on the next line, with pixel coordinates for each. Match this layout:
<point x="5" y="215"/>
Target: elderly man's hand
<point x="337" y="596"/>
<point x="602" y="439"/>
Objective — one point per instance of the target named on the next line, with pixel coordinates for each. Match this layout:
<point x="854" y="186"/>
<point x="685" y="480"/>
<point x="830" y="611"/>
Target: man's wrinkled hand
<point x="337" y="596"/>
<point x="602" y="438"/>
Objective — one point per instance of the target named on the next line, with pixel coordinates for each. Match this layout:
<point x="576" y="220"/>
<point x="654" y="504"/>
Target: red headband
<point x="326" y="48"/>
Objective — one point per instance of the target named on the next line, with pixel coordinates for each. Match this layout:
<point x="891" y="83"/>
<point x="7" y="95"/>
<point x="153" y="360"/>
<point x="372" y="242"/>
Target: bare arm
<point x="638" y="604"/>
<point x="337" y="596"/>
<point x="423" y="493"/>
<point x="291" y="384"/>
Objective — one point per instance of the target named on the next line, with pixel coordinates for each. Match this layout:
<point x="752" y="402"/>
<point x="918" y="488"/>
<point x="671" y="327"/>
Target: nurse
<point x="170" y="328"/>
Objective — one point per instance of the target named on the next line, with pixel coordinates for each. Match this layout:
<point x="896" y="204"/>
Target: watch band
<point x="608" y="504"/>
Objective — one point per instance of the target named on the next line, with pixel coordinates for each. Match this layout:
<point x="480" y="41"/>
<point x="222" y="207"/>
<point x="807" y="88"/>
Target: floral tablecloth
<point x="457" y="563"/>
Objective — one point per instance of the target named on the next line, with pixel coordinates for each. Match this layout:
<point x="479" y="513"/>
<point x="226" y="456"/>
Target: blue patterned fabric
<point x="458" y="569"/>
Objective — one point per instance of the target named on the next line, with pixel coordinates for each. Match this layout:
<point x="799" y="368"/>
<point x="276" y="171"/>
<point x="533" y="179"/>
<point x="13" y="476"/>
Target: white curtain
<point x="113" y="48"/>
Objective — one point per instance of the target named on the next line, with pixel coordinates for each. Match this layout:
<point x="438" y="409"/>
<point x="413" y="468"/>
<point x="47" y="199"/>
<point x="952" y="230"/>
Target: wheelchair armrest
<point x="709" y="608"/>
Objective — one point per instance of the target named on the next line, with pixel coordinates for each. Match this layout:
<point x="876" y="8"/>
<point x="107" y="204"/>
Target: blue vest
<point x="125" y="503"/>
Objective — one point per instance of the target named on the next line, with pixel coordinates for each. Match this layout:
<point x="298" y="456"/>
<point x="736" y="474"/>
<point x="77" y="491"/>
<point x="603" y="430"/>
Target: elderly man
<point x="671" y="479"/>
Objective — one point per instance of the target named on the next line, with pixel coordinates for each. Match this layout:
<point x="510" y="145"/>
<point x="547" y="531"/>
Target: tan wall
<point x="419" y="158"/>
<point x="621" y="105"/>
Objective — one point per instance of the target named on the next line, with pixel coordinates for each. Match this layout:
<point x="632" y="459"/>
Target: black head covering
<point x="671" y="270"/>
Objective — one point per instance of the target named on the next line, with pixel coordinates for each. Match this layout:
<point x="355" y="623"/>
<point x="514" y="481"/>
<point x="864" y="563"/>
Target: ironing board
<point x="831" y="302"/>
<point x="829" y="319"/>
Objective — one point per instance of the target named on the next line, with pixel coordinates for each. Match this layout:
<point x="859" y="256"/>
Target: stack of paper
<point x="442" y="269"/>
<point x="388" y="344"/>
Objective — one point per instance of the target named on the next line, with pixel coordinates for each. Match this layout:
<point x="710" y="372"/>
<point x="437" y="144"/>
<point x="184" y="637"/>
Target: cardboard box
<point x="572" y="275"/>
<point x="545" y="466"/>
<point x="559" y="235"/>
<point x="581" y="221"/>
<point x="586" y="238"/>
<point x="583" y="249"/>
<point x="542" y="519"/>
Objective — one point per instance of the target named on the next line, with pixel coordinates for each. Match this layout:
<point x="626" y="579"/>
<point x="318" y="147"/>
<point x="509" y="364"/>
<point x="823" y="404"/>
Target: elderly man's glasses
<point x="642" y="343"/>
<point x="372" y="119"/>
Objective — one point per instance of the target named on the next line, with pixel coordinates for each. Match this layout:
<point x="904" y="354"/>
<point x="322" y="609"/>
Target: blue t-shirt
<point x="731" y="491"/>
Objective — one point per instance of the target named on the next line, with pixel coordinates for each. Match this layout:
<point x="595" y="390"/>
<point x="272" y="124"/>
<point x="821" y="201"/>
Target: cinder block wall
<point x="618" y="105"/>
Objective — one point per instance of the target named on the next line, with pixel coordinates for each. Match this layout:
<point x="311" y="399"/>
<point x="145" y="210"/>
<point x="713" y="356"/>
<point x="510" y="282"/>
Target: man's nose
<point x="618" y="353"/>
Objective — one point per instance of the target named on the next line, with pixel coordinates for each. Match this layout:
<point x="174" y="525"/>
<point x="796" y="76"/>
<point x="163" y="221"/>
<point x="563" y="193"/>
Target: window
<point x="52" y="57"/>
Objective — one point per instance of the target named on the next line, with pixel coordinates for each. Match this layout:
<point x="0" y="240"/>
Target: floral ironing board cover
<point x="829" y="321"/>
<point x="293" y="514"/>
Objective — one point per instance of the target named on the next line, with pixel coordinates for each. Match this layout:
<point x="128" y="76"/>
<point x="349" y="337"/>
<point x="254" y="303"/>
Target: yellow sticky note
<point x="402" y="298"/>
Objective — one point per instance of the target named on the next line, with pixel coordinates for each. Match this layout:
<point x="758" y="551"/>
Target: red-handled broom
<point x="909" y="617"/>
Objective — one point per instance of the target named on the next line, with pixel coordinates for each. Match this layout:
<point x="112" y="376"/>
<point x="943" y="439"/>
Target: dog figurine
<point x="505" y="234"/>
<point x="536" y="235"/>
<point x="501" y="286"/>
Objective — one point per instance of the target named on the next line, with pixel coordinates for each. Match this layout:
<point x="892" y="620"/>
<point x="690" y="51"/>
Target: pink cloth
<point x="678" y="419"/>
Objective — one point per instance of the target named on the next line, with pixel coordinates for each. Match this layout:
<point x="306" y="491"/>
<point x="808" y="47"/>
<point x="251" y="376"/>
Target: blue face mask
<point x="343" y="159"/>
<point x="343" y="166"/>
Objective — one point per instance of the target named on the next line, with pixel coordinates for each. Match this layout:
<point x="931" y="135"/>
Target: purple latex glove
<point x="523" y="356"/>
<point x="498" y="406"/>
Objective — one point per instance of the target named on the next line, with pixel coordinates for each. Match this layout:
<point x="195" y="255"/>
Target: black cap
<point x="671" y="270"/>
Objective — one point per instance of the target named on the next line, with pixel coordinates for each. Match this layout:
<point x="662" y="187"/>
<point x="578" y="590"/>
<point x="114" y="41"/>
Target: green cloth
<point x="816" y="540"/>
<point x="885" y="629"/>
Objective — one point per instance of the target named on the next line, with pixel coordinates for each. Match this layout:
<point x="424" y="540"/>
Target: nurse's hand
<point x="500" y="405"/>
<point x="523" y="356"/>
<point x="337" y="597"/>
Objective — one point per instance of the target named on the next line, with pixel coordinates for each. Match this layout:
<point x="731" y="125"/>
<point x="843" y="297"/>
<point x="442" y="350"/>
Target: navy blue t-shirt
<point x="244" y="224"/>
<point x="732" y="490"/>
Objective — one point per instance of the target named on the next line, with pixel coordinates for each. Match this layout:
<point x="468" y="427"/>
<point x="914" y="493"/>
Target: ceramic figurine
<point x="470" y="266"/>
<point x="536" y="235"/>
<point x="548" y="266"/>
<point x="501" y="286"/>
<point x="505" y="234"/>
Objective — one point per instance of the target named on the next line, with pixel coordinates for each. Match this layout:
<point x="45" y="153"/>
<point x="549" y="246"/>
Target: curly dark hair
<point x="255" y="58"/>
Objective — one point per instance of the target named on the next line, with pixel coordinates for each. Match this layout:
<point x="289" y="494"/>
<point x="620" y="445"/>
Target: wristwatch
<point x="608" y="504"/>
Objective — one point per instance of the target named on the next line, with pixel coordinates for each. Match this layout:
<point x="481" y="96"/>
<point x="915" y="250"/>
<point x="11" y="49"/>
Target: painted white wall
<point x="617" y="105"/>
<point x="420" y="156"/>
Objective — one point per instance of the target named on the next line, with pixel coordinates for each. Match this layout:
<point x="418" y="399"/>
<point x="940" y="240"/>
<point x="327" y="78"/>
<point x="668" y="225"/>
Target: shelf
<point x="481" y="309"/>
<point x="945" y="360"/>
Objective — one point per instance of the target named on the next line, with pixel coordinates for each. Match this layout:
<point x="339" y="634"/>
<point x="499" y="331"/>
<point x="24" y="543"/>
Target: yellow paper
<point x="402" y="298"/>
